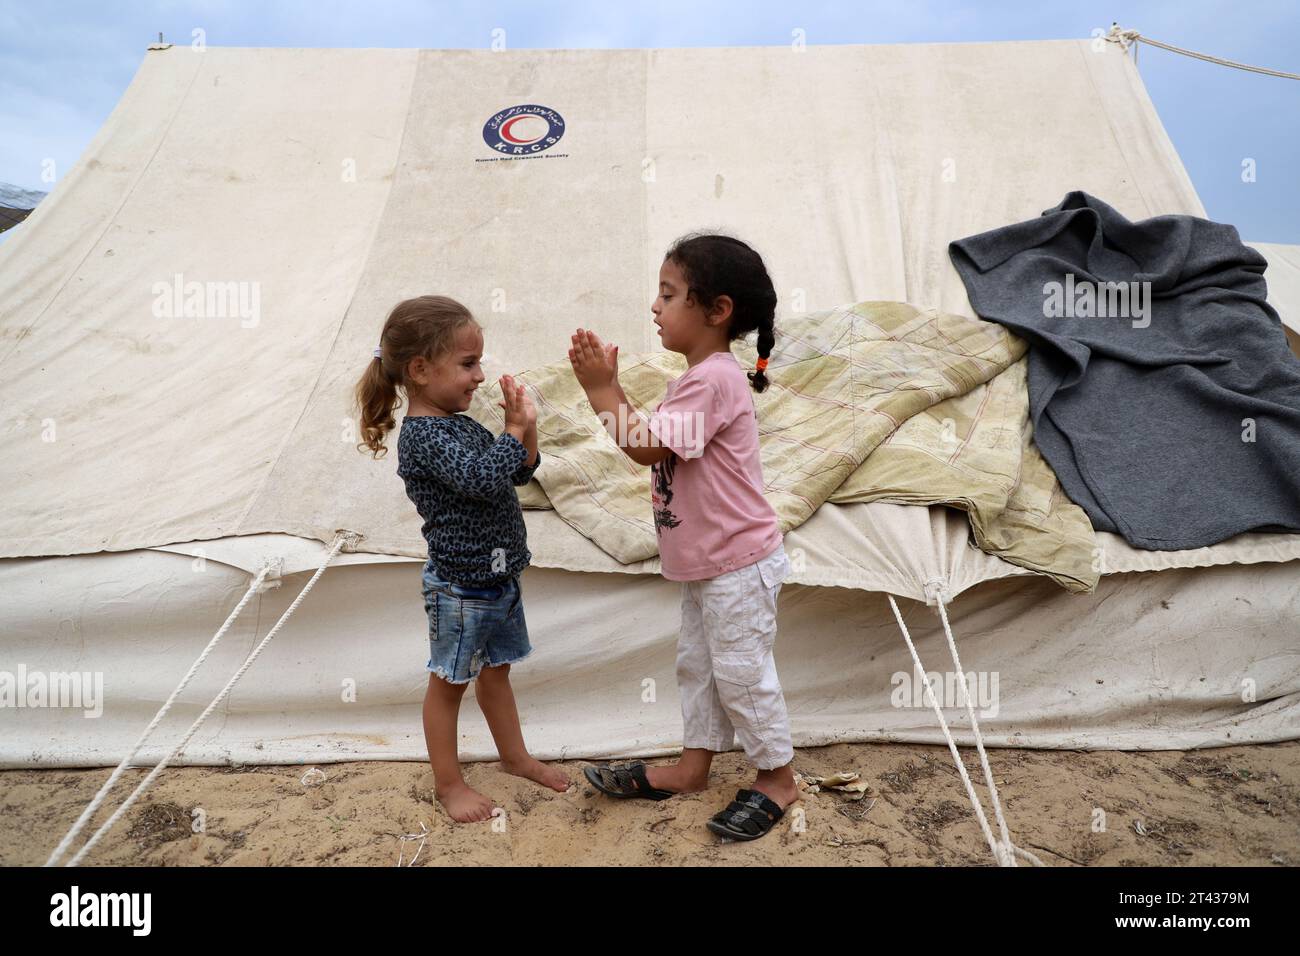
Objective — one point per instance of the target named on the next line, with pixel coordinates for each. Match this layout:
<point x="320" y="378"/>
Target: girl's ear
<point x="720" y="314"/>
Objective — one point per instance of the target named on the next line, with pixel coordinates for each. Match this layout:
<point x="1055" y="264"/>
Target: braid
<point x="766" y="339"/>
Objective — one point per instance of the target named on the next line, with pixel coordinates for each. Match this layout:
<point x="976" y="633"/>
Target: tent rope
<point x="1004" y="851"/>
<point x="1127" y="38"/>
<point x="340" y="540"/>
<point x="126" y="761"/>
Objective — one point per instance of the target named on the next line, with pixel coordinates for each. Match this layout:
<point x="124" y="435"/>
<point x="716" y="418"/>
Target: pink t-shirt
<point x="710" y="513"/>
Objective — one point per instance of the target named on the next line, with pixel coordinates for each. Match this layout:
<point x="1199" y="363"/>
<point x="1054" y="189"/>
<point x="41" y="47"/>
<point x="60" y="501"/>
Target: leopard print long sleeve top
<point x="461" y="480"/>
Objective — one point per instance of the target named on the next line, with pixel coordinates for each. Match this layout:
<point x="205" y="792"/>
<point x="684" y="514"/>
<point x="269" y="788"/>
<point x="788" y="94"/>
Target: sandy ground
<point x="1224" y="807"/>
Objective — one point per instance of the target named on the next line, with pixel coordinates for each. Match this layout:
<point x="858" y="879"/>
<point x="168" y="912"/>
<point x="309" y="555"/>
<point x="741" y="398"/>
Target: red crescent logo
<point x="505" y="131"/>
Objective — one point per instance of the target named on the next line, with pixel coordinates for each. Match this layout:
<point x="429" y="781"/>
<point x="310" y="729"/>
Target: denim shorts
<point x="472" y="627"/>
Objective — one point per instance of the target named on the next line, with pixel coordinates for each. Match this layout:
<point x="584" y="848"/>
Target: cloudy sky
<point x="64" y="65"/>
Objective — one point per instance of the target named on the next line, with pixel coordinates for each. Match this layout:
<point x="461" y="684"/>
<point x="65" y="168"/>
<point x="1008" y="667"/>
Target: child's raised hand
<point x="595" y="364"/>
<point x="530" y="410"/>
<point x="520" y="410"/>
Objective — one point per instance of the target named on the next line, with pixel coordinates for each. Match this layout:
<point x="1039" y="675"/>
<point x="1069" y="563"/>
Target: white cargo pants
<point x="726" y="673"/>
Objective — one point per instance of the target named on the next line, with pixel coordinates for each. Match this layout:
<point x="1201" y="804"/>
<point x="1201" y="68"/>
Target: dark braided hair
<point x="716" y="265"/>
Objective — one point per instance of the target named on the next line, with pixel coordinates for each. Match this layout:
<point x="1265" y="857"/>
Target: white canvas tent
<point x="153" y="463"/>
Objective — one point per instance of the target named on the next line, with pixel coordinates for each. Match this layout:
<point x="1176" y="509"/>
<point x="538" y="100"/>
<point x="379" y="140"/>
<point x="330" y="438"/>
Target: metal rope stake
<point x="341" y="539"/>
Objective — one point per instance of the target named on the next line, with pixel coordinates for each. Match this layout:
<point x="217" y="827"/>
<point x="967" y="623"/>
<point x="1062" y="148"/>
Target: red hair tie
<point x="760" y="364"/>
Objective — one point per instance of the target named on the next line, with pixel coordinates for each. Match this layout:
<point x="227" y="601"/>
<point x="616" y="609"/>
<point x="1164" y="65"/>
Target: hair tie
<point x="760" y="364"/>
<point x="379" y="352"/>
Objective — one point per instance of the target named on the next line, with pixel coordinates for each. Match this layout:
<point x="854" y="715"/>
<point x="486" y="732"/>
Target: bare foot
<point x="533" y="769"/>
<point x="673" y="779"/>
<point x="463" y="803"/>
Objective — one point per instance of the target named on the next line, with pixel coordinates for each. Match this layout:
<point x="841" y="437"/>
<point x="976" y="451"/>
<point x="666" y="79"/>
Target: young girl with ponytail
<point x="461" y="479"/>
<point x="717" y="533"/>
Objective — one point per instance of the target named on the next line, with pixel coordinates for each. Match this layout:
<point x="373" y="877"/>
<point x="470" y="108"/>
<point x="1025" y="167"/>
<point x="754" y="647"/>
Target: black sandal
<point x="748" y="817"/>
<point x="624" y="780"/>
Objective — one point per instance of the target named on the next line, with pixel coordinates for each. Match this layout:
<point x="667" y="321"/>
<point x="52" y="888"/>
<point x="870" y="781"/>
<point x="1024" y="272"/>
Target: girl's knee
<point x="442" y="687"/>
<point x="494" y="674"/>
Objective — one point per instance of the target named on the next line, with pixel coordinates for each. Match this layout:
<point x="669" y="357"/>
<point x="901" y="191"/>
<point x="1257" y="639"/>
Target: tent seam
<point x="343" y="317"/>
<point x="1110" y="124"/>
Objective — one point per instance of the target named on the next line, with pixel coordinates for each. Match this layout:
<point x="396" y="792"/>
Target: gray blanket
<point x="1169" y="406"/>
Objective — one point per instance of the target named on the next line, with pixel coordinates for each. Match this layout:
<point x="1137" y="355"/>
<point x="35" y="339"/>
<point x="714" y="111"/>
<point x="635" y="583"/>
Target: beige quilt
<point x="878" y="401"/>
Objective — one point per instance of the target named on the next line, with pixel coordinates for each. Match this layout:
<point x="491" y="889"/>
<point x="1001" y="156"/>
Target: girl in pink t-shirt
<point x="717" y="533"/>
